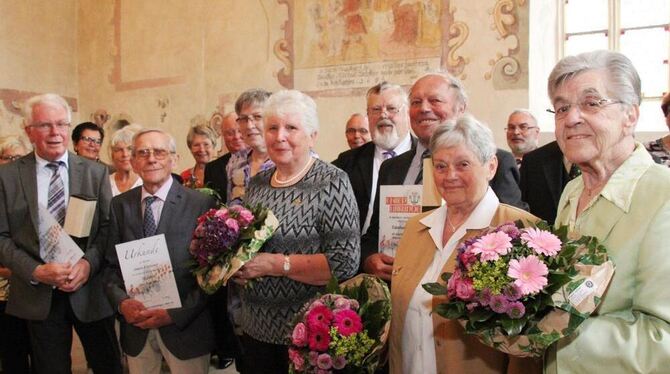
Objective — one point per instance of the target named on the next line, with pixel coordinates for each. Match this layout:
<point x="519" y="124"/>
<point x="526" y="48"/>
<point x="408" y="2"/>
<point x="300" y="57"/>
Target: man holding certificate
<point x="151" y="229"/>
<point x="56" y="281"/>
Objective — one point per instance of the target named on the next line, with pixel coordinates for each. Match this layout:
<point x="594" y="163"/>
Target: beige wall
<point x="164" y="62"/>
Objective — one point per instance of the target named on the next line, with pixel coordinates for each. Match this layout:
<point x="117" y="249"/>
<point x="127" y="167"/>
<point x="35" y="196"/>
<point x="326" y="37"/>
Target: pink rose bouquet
<point x="520" y="289"/>
<point x="225" y="239"/>
<point x="343" y="331"/>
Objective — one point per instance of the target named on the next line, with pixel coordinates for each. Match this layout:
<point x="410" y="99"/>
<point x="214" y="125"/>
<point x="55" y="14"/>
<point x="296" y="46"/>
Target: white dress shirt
<point x="402" y="147"/>
<point x="416" y="165"/>
<point x="418" y="335"/>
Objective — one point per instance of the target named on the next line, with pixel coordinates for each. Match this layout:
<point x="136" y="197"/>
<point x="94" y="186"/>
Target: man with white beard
<point x="388" y="115"/>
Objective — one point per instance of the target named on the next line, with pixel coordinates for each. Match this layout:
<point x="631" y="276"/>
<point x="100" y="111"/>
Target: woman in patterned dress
<point x="660" y="148"/>
<point x="317" y="237"/>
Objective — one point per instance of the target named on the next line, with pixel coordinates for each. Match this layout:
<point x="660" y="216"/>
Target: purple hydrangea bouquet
<point x="343" y="331"/>
<point x="520" y="289"/>
<point x="227" y="238"/>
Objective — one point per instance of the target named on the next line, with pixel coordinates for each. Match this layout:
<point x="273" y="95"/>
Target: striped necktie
<point x="56" y="197"/>
<point x="388" y="154"/>
<point x="419" y="177"/>
<point x="149" y="225"/>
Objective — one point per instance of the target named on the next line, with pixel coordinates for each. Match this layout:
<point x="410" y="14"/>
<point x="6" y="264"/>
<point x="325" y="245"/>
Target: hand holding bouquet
<point x="344" y="331"/>
<point x="227" y="238"/>
<point x="521" y="289"/>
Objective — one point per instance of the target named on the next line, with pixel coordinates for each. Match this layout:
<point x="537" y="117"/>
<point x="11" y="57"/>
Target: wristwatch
<point x="287" y="264"/>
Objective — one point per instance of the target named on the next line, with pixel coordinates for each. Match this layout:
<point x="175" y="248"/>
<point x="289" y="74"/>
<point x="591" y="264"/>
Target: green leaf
<point x="436" y="289"/>
<point x="375" y="315"/>
<point x="445" y="277"/>
<point x="513" y="326"/>
<point x="452" y="310"/>
<point x="480" y="315"/>
<point x="333" y="286"/>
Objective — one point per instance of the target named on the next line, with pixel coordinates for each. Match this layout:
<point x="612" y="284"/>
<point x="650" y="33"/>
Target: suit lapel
<point x="135" y="214"/>
<point x="170" y="207"/>
<point x="554" y="171"/>
<point x="28" y="182"/>
<point x="364" y="167"/>
<point x="75" y="165"/>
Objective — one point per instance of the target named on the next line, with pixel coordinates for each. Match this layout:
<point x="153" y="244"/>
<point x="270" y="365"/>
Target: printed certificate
<point x="56" y="246"/>
<point x="147" y="272"/>
<point x="397" y="204"/>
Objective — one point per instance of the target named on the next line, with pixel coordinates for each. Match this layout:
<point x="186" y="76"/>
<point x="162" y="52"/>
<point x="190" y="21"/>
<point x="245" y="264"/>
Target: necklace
<point x="451" y="226"/>
<point x="292" y="179"/>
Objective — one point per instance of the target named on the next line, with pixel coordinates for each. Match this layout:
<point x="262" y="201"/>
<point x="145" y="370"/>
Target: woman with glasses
<point x="254" y="159"/>
<point x="14" y="341"/>
<point x="12" y="148"/>
<point x="86" y="140"/>
<point x="124" y="178"/>
<point x="317" y="237"/>
<point x="622" y="198"/>
<point x="201" y="141"/>
<point x="660" y="148"/>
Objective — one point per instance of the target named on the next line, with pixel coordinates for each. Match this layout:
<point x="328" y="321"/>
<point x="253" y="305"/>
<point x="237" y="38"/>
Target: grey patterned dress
<point x="316" y="215"/>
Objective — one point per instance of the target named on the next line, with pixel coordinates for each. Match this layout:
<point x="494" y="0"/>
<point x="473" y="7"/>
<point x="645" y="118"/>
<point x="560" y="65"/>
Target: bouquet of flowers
<point x="343" y="331"/>
<point x="521" y="289"/>
<point x="227" y="238"/>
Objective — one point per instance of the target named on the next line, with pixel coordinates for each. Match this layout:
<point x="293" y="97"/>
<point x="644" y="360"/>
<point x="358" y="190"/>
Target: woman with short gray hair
<point x="622" y="198"/>
<point x="120" y="149"/>
<point x="464" y="161"/>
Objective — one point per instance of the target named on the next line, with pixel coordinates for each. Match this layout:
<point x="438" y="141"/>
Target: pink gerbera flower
<point x="530" y="274"/>
<point x="492" y="246"/>
<point x="543" y="242"/>
<point x="319" y="316"/>
<point x="348" y="322"/>
<point x="319" y="338"/>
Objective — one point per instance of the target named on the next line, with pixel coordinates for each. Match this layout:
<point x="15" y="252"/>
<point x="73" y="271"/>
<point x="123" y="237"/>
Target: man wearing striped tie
<point x="55" y="297"/>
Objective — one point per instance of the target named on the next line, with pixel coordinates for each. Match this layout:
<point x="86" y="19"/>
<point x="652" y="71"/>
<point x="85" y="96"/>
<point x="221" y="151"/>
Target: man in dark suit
<point x="215" y="171"/>
<point x="183" y="336"/>
<point x="55" y="297"/>
<point x="388" y="113"/>
<point x="543" y="177"/>
<point x="434" y="98"/>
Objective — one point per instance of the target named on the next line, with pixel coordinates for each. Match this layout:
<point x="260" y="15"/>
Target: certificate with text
<point x="397" y="204"/>
<point x="56" y="246"/>
<point x="147" y="272"/>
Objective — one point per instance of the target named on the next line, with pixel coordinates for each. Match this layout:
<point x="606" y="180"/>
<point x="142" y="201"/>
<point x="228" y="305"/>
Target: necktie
<point x="56" y="197"/>
<point x="518" y="163"/>
<point x="575" y="171"/>
<point x="419" y="177"/>
<point x="388" y="154"/>
<point x="149" y="221"/>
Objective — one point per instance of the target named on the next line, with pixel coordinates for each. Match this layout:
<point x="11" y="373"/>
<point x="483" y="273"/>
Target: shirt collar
<point x="621" y="185"/>
<point x="42" y="163"/>
<point x="480" y="217"/>
<point x="162" y="192"/>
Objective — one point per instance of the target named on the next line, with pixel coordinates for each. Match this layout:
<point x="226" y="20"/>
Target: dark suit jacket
<point x="543" y="177"/>
<point x="216" y="176"/>
<point x="505" y="184"/>
<point x="358" y="164"/>
<point x="19" y="242"/>
<point x="191" y="333"/>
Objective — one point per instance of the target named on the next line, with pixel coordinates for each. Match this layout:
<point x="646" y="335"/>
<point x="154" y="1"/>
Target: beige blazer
<point x="455" y="351"/>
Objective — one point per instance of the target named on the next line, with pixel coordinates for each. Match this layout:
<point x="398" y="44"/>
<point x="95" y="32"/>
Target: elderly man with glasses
<point x="182" y="336"/>
<point x="55" y="297"/>
<point x="522" y="133"/>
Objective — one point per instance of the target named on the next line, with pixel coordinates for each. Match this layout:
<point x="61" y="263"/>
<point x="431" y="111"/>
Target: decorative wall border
<point x="506" y="24"/>
<point x="14" y="99"/>
<point x="116" y="76"/>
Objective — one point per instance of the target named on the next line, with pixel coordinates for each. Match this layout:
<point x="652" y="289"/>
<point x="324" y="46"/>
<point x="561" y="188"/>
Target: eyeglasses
<point x="522" y="128"/>
<point x="246" y="119"/>
<point x="46" y="127"/>
<point x="390" y="109"/>
<point x="159" y="154"/>
<point x="588" y="106"/>
<point x="90" y="140"/>
<point x="10" y="158"/>
<point x="354" y="131"/>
